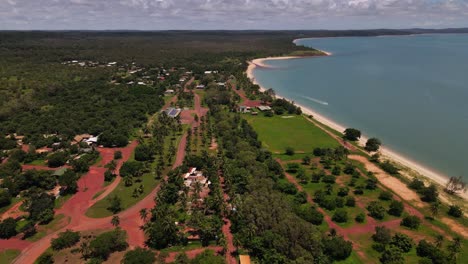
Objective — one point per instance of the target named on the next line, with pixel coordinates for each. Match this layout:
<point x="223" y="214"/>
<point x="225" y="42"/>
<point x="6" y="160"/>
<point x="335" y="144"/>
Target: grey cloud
<point x="230" y="14"/>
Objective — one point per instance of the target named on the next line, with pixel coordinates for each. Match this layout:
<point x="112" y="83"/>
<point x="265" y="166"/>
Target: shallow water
<point x="409" y="91"/>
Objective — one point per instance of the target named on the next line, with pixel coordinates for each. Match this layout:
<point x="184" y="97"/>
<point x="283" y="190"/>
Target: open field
<point x="7" y="256"/>
<point x="277" y="133"/>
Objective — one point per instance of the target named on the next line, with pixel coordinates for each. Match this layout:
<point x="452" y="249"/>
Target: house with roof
<point x="173" y="112"/>
<point x="244" y="109"/>
<point x="264" y="108"/>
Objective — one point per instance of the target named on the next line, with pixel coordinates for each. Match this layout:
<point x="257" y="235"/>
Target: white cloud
<point x="231" y="14"/>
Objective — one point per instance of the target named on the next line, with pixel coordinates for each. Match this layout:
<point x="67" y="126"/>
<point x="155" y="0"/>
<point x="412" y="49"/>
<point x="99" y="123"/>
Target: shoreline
<point x="385" y="152"/>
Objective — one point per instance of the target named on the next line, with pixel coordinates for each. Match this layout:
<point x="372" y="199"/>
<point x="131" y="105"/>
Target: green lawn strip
<point x="8" y="255"/>
<point x="96" y="195"/>
<point x="38" y="162"/>
<point x="52" y="226"/>
<point x="278" y="132"/>
<point x="99" y="209"/>
<point x="60" y="201"/>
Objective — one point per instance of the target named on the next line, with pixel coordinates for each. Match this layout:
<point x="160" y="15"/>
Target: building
<point x="173" y="112"/>
<point x="200" y="86"/>
<point x="244" y="259"/>
<point x="79" y="138"/>
<point x="244" y="109"/>
<point x="169" y="92"/>
<point x="264" y="108"/>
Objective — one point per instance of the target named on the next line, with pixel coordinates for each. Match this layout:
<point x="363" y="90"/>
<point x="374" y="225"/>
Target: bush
<point x="311" y="215"/>
<point x="360" y="218"/>
<point x="329" y="179"/>
<point x="376" y="210"/>
<point x="139" y="256"/>
<point x="108" y="175"/>
<point x="8" y="228"/>
<point x="372" y="144"/>
<point x="57" y="159"/>
<point x="46" y="216"/>
<point x="45" y="258"/>
<point x="385" y="196"/>
<point x="411" y="221"/>
<point x="416" y="184"/>
<point x="392" y="255"/>
<point x="455" y="211"/>
<point x="117" y="154"/>
<point x="382" y="235"/>
<point x="143" y="153"/>
<point x="389" y="168"/>
<point x="286" y="187"/>
<point x="328" y="203"/>
<point x="371" y="183"/>
<point x="65" y="240"/>
<point x="396" y="208"/>
<point x="343" y="191"/>
<point x="350" y="201"/>
<point x="359" y="191"/>
<point x="430" y="194"/>
<point x="403" y="242"/>
<point x="115" y="204"/>
<point x="106" y="243"/>
<point x="340" y="216"/>
<point x="5" y="198"/>
<point x="336" y="170"/>
<point x="289" y="151"/>
<point x="339" y="201"/>
<point x="337" y="248"/>
<point x="352" y="134"/>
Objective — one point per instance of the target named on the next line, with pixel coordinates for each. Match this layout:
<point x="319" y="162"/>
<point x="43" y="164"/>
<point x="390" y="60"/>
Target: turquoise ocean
<point x="409" y="91"/>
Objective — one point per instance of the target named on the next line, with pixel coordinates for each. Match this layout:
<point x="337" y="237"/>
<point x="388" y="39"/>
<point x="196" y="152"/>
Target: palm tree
<point x="198" y="188"/>
<point x="115" y="221"/>
<point x="85" y="250"/>
<point x="439" y="240"/>
<point x="128" y="181"/>
<point x="435" y="207"/>
<point x="143" y="214"/>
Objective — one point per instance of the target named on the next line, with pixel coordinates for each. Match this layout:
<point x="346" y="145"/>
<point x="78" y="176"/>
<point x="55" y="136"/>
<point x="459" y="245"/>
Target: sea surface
<point x="409" y="91"/>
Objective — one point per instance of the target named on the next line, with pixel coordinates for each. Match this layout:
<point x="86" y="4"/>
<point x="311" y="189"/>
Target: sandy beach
<point x="385" y="152"/>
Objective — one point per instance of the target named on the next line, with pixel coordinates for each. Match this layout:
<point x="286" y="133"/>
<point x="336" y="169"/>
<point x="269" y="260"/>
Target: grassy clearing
<point x="353" y="259"/>
<point x="278" y="132"/>
<point x="8" y="255"/>
<point x="58" y="222"/>
<point x="59" y="202"/>
<point x="38" y="162"/>
<point x="99" y="209"/>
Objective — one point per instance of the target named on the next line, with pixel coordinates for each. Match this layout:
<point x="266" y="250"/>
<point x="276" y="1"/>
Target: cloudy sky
<point x="231" y="14"/>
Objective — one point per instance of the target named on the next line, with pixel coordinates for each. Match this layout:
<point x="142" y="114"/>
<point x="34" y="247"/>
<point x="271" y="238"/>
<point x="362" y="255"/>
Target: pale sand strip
<point x="386" y="153"/>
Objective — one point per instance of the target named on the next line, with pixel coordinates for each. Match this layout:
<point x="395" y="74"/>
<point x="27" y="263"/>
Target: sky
<point x="230" y="14"/>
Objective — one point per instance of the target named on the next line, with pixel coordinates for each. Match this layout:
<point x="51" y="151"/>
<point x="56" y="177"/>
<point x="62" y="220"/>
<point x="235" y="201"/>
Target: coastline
<point x="385" y="152"/>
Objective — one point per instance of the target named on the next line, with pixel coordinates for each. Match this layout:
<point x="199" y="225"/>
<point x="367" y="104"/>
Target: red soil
<point x="230" y="259"/>
<point x="246" y="101"/>
<point x="40" y="167"/>
<point x="13" y="212"/>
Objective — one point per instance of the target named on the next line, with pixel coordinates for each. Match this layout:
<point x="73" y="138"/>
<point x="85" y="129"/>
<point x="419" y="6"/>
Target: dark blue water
<point x="409" y="91"/>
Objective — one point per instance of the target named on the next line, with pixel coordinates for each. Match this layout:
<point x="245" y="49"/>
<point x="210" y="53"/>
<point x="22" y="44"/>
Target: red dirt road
<point x="75" y="208"/>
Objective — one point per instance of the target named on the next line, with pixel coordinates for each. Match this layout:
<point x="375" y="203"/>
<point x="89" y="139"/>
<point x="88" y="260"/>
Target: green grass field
<point x="99" y="209"/>
<point x="278" y="132"/>
<point x="7" y="256"/>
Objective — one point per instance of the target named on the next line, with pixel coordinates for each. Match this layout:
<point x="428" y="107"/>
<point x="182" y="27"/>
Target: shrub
<point x="117" y="154"/>
<point x="376" y="210"/>
<point x="289" y="151"/>
<point x="57" y="159"/>
<point x="360" y="218"/>
<point x="286" y="187"/>
<point x="5" y="198"/>
<point x="328" y="203"/>
<point x="392" y="255"/>
<point x="403" y="242"/>
<point x="339" y="201"/>
<point x="359" y="191"/>
<point x="385" y="196"/>
<point x="389" y="168"/>
<point x="300" y="198"/>
<point x="106" y="243"/>
<point x="311" y="215"/>
<point x="45" y="258"/>
<point x="416" y="184"/>
<point x="343" y="191"/>
<point x="396" y="208"/>
<point x="337" y="248"/>
<point x="382" y="235"/>
<point x="139" y="256"/>
<point x="350" y="201"/>
<point x="430" y="194"/>
<point x="340" y="216"/>
<point x="65" y="240"/>
<point x="455" y="211"/>
<point x="8" y="228"/>
<point x="371" y="183"/>
<point x="336" y="170"/>
<point x="411" y="221"/>
<point x="329" y="179"/>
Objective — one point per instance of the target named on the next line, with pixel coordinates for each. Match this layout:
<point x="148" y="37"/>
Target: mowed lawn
<point x="279" y="132"/>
